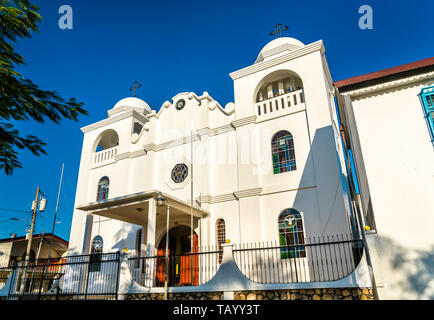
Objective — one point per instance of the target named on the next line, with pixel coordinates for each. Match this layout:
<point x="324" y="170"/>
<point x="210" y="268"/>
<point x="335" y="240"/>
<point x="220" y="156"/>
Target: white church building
<point x="274" y="152"/>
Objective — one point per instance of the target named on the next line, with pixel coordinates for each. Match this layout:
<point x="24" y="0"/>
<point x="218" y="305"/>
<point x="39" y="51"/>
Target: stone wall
<point x="297" y="294"/>
<point x="307" y="294"/>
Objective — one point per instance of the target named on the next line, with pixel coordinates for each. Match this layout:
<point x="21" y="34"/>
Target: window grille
<point x="427" y="95"/>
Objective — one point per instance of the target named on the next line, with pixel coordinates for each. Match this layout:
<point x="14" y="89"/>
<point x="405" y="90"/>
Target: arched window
<point x="95" y="254"/>
<point x="291" y="234"/>
<point x="283" y="153"/>
<point x="103" y="189"/>
<point x="221" y="236"/>
<point x="138" y="247"/>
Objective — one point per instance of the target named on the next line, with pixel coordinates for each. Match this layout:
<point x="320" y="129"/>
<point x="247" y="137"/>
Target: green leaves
<point x="21" y="99"/>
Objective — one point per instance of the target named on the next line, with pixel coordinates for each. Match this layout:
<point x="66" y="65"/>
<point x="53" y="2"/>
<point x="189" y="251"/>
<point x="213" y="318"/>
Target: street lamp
<point x="161" y="200"/>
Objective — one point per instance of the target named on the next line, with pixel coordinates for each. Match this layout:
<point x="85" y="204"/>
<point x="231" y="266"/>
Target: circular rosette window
<point x="180" y="104"/>
<point x="179" y="173"/>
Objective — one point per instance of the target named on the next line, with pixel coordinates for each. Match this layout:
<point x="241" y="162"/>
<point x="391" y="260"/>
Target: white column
<point x="281" y="89"/>
<point x="270" y="91"/>
<point x="150" y="240"/>
<point x="87" y="234"/>
<point x="152" y="219"/>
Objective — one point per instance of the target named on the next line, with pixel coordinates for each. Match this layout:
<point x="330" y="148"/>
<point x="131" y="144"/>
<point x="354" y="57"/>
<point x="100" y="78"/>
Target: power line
<point x="15" y="210"/>
<point x="9" y="221"/>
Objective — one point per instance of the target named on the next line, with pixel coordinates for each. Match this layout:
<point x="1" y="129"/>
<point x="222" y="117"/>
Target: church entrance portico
<point x="141" y="209"/>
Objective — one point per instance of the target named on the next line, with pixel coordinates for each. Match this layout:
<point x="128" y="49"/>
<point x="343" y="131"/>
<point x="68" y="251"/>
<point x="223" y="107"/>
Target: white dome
<point x="277" y="46"/>
<point x="132" y="102"/>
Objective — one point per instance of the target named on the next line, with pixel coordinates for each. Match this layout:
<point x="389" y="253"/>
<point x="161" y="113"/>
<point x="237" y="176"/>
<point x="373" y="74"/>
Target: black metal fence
<point x="187" y="269"/>
<point x="94" y="276"/>
<point x="326" y="258"/>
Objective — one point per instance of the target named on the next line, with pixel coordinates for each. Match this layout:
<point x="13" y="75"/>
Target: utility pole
<point x="32" y="226"/>
<point x="29" y="241"/>
<point x="37" y="257"/>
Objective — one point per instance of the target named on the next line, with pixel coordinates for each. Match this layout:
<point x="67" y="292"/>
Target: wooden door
<point x="186" y="269"/>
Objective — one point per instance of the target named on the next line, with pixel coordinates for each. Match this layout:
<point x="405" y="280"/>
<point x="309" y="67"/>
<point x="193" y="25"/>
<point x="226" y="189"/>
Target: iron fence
<point x="94" y="276"/>
<point x="326" y="258"/>
<point x="187" y="269"/>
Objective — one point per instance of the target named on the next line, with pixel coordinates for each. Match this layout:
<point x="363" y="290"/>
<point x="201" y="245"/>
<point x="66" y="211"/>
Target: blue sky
<point x="178" y="46"/>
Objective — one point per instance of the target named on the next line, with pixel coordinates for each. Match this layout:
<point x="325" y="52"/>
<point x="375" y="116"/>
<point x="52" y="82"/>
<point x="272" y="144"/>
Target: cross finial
<point x="135" y="86"/>
<point x="279" y="30"/>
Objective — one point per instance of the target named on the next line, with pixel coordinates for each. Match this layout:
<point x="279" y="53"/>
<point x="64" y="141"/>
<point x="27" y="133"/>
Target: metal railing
<point x="187" y="269"/>
<point x="94" y="276"/>
<point x="326" y="258"/>
<point x="97" y="276"/>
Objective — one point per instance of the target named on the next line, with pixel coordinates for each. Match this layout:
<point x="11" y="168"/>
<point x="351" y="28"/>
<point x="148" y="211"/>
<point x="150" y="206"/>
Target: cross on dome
<point x="278" y="30"/>
<point x="135" y="86"/>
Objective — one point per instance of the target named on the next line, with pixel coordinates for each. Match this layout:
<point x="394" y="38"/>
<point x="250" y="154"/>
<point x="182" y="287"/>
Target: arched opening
<point x="181" y="259"/>
<point x="278" y="83"/>
<point x="279" y="90"/>
<point x="106" y="140"/>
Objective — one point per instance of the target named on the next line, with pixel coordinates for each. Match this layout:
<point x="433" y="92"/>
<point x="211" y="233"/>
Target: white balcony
<point x="280" y="105"/>
<point x="104" y="157"/>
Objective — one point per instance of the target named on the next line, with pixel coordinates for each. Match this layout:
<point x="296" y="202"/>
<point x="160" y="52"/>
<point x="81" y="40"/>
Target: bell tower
<point x="286" y="101"/>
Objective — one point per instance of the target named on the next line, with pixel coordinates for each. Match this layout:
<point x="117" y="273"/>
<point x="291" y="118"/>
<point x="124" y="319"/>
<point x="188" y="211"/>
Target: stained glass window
<point x="103" y="189"/>
<point x="95" y="254"/>
<point x="291" y="234"/>
<point x="221" y="236"/>
<point x="179" y="173"/>
<point x="283" y="153"/>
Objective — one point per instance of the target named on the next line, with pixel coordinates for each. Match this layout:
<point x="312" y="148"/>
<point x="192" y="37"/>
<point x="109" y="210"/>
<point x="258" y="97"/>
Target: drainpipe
<point x="357" y="206"/>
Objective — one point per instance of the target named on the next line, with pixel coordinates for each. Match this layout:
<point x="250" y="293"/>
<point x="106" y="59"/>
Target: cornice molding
<point x="105" y="122"/>
<point x="112" y="112"/>
<point x="318" y="45"/>
<point x="243" y="121"/>
<point x="362" y="92"/>
<point x="248" y="193"/>
<point x="201" y="132"/>
<point x="253" y="192"/>
<point x="277" y="50"/>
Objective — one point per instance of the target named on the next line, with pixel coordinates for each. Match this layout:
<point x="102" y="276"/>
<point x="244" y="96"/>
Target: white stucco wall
<point x="399" y="161"/>
<point x="236" y="180"/>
